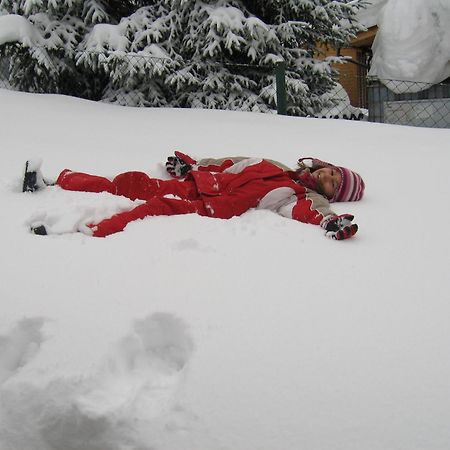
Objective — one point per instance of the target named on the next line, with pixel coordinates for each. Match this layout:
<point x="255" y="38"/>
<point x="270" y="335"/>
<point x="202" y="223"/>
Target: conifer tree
<point x="44" y="61"/>
<point x="188" y="53"/>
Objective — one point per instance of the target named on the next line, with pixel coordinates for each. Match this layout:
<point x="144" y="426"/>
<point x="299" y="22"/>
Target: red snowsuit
<point x="251" y="183"/>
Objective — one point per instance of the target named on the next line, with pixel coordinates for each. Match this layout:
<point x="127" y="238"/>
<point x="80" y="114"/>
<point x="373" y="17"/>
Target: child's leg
<point x="223" y="207"/>
<point x="78" y="181"/>
<point x="133" y="185"/>
<point x="138" y="185"/>
<point x="153" y="207"/>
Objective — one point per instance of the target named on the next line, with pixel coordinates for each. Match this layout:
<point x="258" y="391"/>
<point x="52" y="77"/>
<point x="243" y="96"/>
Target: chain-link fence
<point x="135" y="79"/>
<point x="4" y="74"/>
<point x="409" y="103"/>
<point x="140" y="80"/>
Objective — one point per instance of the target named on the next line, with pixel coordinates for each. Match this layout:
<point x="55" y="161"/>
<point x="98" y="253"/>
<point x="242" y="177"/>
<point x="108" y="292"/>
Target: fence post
<point x="280" y="77"/>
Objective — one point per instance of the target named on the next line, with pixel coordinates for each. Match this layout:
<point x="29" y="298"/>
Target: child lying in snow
<point x="222" y="189"/>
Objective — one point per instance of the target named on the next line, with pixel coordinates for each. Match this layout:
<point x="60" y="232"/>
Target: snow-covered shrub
<point x="339" y="106"/>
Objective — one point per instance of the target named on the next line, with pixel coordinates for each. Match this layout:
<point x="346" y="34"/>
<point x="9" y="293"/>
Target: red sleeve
<point x="307" y="207"/>
<point x="216" y="167"/>
<point x="304" y="211"/>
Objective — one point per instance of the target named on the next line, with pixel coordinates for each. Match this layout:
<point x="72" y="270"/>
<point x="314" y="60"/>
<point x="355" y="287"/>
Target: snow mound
<point x="342" y="108"/>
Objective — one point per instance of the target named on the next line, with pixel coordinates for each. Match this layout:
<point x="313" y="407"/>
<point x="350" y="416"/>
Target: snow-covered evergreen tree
<point x="189" y="53"/>
<point x="42" y="52"/>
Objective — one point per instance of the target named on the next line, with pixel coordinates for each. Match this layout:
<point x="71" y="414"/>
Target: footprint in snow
<point x="19" y="346"/>
<point x="134" y="391"/>
<point x="143" y="370"/>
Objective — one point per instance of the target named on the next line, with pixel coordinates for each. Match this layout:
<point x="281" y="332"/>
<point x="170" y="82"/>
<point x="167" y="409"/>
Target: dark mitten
<point x="339" y="227"/>
<point x="180" y="165"/>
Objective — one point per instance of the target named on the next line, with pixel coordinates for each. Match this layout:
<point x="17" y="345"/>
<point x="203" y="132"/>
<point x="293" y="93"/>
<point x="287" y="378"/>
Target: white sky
<point x="195" y="333"/>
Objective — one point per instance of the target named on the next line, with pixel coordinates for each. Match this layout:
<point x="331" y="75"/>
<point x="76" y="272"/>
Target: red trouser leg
<point x="153" y="207"/>
<point x="78" y="181"/>
<point x="139" y="185"/>
<point x="223" y="207"/>
<point x="133" y="185"/>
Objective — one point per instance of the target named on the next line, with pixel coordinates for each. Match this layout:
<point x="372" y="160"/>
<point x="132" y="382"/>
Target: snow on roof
<point x="369" y="15"/>
<point x="412" y="43"/>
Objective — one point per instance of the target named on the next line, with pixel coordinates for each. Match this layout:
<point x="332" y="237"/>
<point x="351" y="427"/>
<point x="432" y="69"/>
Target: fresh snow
<point x="105" y="36"/>
<point x="255" y="333"/>
<point x="15" y="28"/>
<point x="412" y="42"/>
<point x="368" y="16"/>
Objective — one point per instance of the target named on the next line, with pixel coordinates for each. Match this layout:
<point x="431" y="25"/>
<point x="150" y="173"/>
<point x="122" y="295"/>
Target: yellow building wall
<point x="353" y="76"/>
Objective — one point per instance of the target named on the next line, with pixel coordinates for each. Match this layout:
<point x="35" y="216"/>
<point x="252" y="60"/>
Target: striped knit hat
<point x="352" y="185"/>
<point x="351" y="188"/>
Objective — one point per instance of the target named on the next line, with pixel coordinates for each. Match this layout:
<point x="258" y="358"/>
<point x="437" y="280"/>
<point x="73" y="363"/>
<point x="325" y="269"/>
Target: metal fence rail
<point x="136" y="79"/>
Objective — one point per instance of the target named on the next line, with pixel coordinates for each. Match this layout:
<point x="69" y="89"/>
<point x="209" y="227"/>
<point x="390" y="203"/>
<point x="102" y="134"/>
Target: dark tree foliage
<point x="189" y="53"/>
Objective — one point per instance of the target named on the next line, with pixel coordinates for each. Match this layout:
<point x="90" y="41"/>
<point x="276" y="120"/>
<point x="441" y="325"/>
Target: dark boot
<point x="32" y="178"/>
<point x="29" y="180"/>
<point x="40" y="230"/>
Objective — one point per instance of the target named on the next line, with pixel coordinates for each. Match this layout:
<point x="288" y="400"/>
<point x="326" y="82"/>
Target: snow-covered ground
<point x="191" y="333"/>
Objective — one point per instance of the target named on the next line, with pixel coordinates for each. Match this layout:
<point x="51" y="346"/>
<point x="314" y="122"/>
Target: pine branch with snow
<point x="183" y="50"/>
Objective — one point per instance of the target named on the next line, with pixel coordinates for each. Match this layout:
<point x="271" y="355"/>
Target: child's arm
<point x="311" y="207"/>
<point x="180" y="165"/>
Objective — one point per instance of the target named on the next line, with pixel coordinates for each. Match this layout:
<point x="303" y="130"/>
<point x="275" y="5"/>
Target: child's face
<point x="328" y="180"/>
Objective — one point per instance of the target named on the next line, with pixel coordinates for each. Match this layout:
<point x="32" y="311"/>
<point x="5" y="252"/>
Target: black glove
<point x="339" y="227"/>
<point x="179" y="165"/>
